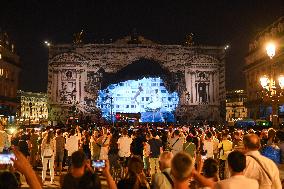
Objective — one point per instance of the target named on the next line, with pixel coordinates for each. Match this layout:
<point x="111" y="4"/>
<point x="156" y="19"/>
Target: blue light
<point x="147" y="96"/>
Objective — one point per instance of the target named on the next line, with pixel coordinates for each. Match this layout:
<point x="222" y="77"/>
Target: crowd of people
<point x="163" y="157"/>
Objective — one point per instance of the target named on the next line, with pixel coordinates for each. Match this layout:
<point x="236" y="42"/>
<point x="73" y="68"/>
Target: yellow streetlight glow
<point x="281" y="81"/>
<point x="270" y="49"/>
<point x="264" y="81"/>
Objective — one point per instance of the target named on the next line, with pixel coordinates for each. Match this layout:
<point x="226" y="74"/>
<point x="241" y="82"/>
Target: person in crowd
<point x="189" y="147"/>
<point x="181" y="168"/>
<point x="215" y="144"/>
<point x="156" y="147"/>
<point x="72" y="144"/>
<point x="113" y="155"/>
<point x="176" y="143"/>
<point x="146" y="155"/>
<point x="225" y="146"/>
<point x="210" y="170"/>
<point x="104" y="142"/>
<point x="85" y="141"/>
<point x="135" y="177"/>
<point x="259" y="167"/>
<point x="8" y="179"/>
<point x="124" y="143"/>
<point x="208" y="145"/>
<point x="164" y="180"/>
<point x="83" y="176"/>
<point x="59" y="151"/>
<point x="4" y="141"/>
<point x="34" y="147"/>
<point x="271" y="137"/>
<point x="23" y="143"/>
<point x="95" y="146"/>
<point x="237" y="165"/>
<point x="136" y="147"/>
<point x="47" y="150"/>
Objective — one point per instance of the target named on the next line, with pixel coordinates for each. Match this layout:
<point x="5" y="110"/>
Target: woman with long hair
<point x="47" y="153"/>
<point x="135" y="177"/>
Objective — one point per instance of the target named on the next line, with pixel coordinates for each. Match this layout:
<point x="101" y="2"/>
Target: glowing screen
<point x="147" y="96"/>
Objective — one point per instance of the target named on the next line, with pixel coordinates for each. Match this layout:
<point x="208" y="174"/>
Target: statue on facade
<point x="78" y="37"/>
<point x="189" y="40"/>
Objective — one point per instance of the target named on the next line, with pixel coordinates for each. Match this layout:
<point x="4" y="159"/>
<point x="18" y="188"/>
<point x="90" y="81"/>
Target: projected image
<point x="147" y="96"/>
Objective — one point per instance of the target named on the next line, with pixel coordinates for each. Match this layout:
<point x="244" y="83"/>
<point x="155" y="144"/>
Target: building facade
<point x="235" y="106"/>
<point x="257" y="64"/>
<point x="76" y="73"/>
<point x="33" y="109"/>
<point x="9" y="80"/>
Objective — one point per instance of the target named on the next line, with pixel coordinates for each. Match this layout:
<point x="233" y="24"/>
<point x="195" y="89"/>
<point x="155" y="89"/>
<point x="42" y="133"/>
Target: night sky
<point x="218" y="22"/>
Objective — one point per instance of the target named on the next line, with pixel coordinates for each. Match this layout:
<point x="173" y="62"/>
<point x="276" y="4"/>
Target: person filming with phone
<point x="83" y="176"/>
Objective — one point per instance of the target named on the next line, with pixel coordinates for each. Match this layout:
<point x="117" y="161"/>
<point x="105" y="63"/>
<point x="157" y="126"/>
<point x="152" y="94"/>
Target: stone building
<point x="33" y="109"/>
<point x="235" y="106"/>
<point x="9" y="79"/>
<point x="257" y="64"/>
<point x="76" y="72"/>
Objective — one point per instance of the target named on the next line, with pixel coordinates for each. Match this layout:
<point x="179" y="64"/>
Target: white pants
<point x="51" y="167"/>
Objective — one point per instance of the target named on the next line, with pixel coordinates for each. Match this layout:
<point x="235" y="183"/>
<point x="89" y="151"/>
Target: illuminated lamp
<point x="264" y="81"/>
<point x="270" y="49"/>
<point x="281" y="81"/>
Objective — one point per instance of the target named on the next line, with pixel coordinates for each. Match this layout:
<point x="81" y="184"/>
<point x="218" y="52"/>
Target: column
<point x="77" y="98"/>
<point x="193" y="88"/>
<point x="211" y="88"/>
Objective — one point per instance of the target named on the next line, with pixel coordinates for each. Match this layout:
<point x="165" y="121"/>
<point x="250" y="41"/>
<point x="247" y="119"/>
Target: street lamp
<point x="270" y="49"/>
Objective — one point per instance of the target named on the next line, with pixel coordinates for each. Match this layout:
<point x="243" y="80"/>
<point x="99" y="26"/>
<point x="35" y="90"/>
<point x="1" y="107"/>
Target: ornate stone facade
<point x="257" y="64"/>
<point x="76" y="72"/>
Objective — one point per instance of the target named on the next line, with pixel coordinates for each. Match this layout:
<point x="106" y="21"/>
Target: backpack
<point x="272" y="153"/>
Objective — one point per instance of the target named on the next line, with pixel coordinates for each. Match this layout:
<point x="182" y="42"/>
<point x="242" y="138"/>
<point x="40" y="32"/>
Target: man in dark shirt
<point x="156" y="147"/>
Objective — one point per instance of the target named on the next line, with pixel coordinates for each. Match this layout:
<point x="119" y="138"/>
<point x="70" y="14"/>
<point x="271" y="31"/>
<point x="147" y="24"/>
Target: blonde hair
<point x="182" y="165"/>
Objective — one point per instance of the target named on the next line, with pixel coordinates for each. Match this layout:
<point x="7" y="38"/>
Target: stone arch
<point x="137" y="68"/>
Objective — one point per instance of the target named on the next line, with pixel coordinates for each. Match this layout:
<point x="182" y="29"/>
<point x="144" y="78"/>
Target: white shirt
<point x="209" y="147"/>
<point x="253" y="170"/>
<point x="124" y="143"/>
<point x="237" y="182"/>
<point x="72" y="144"/>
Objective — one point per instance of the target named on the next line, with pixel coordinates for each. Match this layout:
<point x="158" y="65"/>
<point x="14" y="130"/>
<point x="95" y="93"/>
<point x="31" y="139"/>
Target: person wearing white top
<point x="47" y="153"/>
<point x="237" y="165"/>
<point x="259" y="167"/>
<point x="105" y="140"/>
<point x="208" y="145"/>
<point x="124" y="143"/>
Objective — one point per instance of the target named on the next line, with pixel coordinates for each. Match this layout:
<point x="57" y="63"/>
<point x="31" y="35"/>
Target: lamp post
<point x="272" y="88"/>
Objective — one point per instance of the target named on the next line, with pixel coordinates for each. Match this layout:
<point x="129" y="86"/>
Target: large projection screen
<point x="147" y="96"/>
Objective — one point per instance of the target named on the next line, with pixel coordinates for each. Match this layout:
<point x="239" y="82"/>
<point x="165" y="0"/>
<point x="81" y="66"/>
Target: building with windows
<point x="9" y="80"/>
<point x="259" y="64"/>
<point x="33" y="109"/>
<point x="235" y="106"/>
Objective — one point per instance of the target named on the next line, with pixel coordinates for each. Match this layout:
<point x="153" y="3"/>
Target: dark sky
<point x="216" y="22"/>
